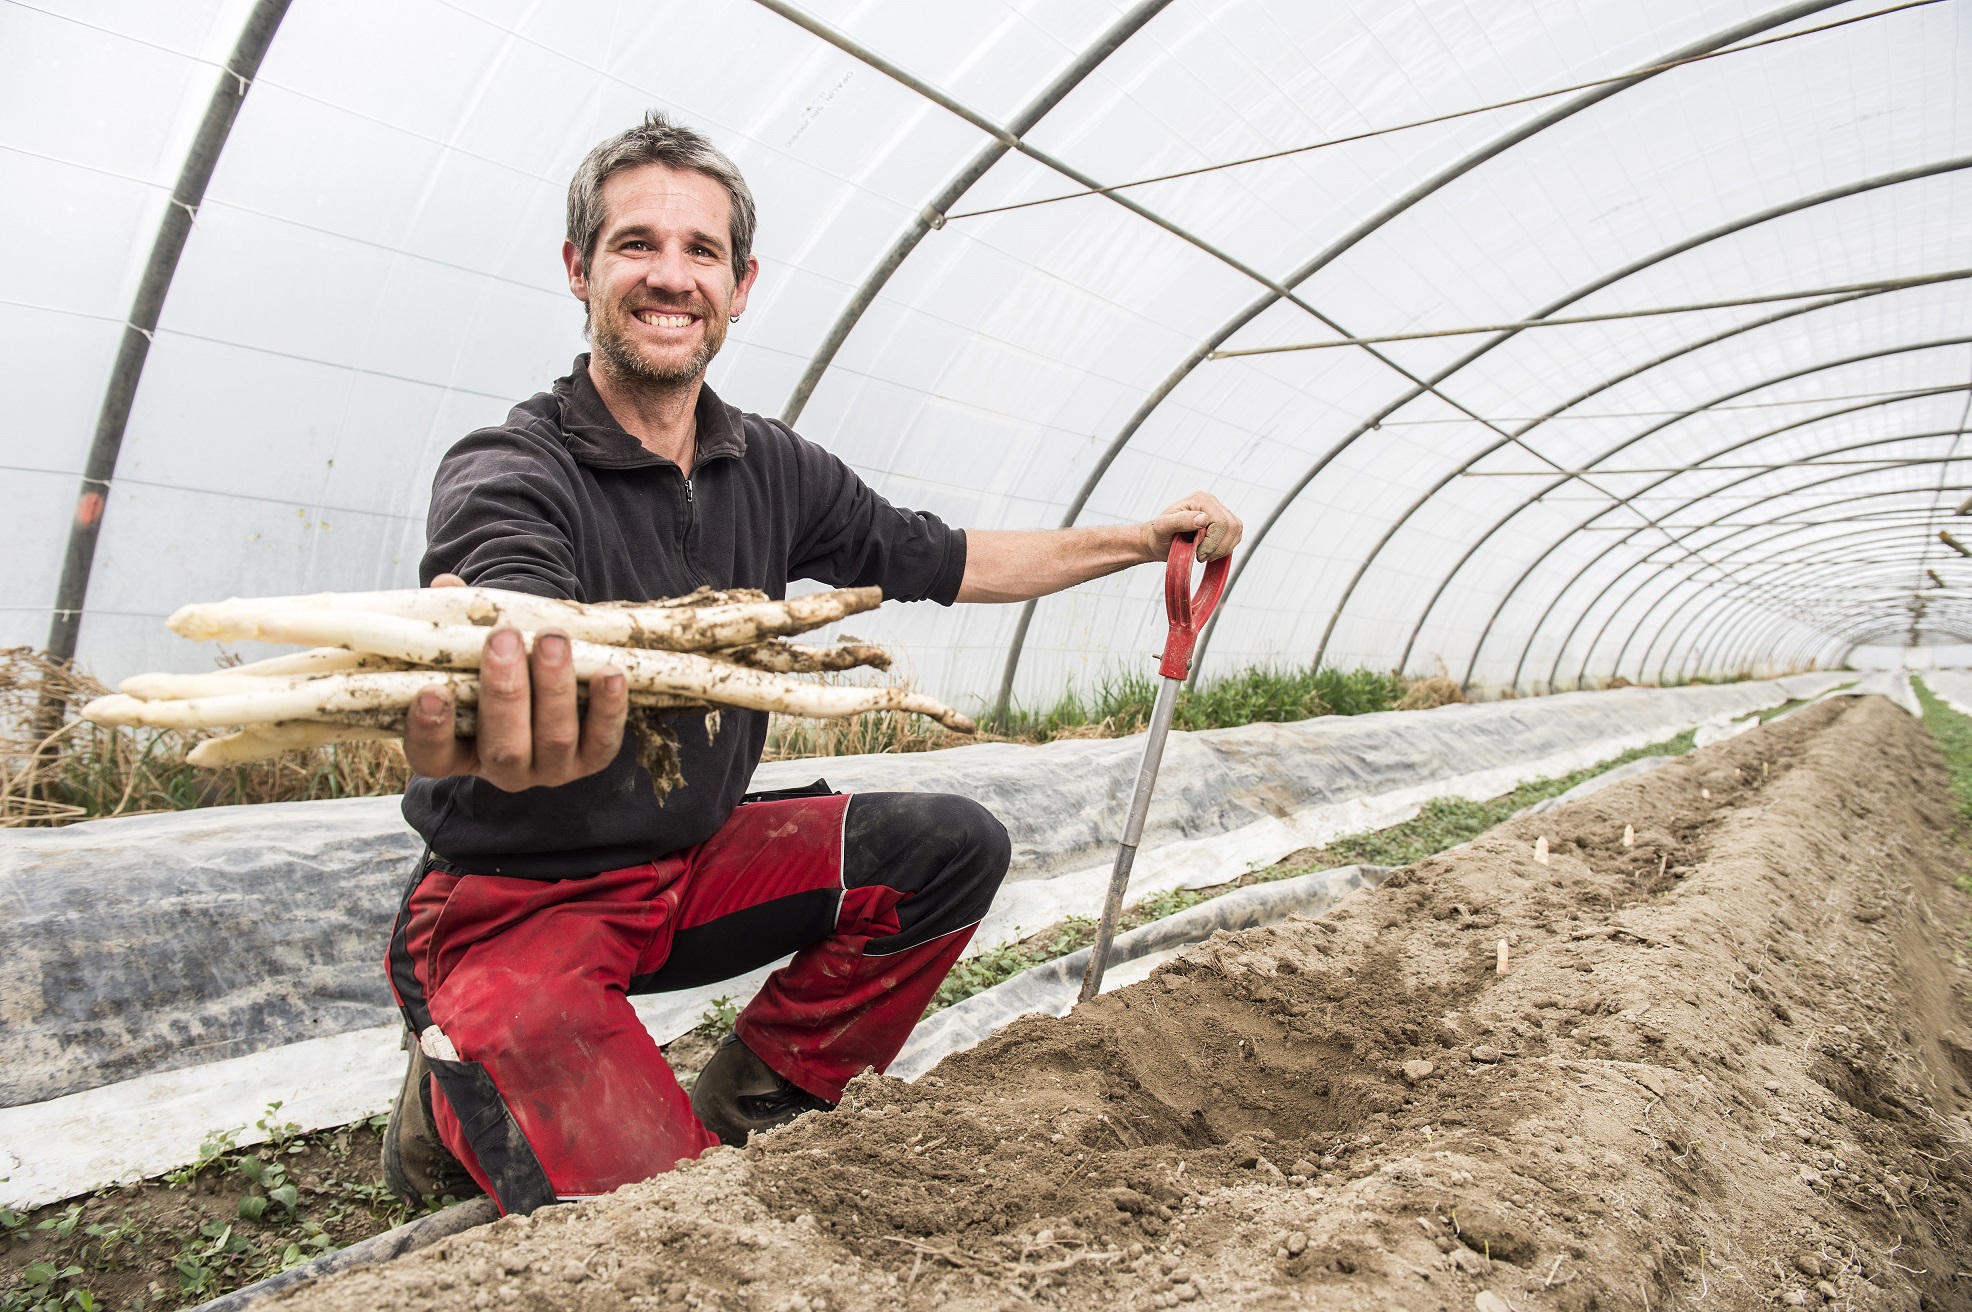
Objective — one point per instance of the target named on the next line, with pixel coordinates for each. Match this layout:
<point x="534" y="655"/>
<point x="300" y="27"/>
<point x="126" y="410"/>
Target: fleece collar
<point x="595" y="438"/>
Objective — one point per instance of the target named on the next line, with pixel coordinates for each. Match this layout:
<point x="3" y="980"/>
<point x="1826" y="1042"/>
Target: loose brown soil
<point x="1728" y="1065"/>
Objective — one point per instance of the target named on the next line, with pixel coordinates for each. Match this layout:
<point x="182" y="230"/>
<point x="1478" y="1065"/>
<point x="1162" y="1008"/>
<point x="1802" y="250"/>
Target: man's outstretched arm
<point x="1005" y="565"/>
<point x="532" y="734"/>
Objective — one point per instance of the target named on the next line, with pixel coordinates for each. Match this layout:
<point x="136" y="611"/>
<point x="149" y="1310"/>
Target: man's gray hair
<point x="657" y="140"/>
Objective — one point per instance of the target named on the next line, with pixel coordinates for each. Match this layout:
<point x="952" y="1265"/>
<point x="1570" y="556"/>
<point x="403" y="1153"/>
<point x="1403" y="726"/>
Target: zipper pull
<point x="688" y="491"/>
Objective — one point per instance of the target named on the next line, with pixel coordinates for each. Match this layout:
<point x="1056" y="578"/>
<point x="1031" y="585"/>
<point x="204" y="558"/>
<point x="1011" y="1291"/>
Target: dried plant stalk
<point x="85" y="771"/>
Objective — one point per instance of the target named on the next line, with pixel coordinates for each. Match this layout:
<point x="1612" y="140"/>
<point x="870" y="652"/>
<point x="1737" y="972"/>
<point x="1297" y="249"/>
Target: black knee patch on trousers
<point x="520" y="1183"/>
<point x="948" y="854"/>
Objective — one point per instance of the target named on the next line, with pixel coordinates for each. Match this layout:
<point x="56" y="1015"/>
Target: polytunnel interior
<point x="960" y="299"/>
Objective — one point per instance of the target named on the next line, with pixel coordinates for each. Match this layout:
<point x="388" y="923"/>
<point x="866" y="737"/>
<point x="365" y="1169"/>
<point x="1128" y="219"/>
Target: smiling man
<point x="556" y="884"/>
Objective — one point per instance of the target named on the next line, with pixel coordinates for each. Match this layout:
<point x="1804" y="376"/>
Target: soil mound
<point x="1728" y="1062"/>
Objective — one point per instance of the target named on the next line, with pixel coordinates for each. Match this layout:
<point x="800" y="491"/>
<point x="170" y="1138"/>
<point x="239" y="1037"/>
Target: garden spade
<point x="1187" y="614"/>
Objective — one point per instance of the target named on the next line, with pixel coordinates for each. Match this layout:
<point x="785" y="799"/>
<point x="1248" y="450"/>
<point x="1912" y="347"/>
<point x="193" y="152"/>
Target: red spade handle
<point x="1187" y="610"/>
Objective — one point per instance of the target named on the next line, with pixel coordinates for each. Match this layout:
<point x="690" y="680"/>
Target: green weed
<point x="716" y="1021"/>
<point x="37" y="1290"/>
<point x="1953" y="734"/>
<point x="1445" y="822"/>
<point x="237" y="1215"/>
<point x="214" y="1146"/>
<point x="1121" y="702"/>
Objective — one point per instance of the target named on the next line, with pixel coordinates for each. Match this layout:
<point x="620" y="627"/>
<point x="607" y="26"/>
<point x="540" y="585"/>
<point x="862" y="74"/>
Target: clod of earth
<point x="372" y="652"/>
<point x="1626" y="1117"/>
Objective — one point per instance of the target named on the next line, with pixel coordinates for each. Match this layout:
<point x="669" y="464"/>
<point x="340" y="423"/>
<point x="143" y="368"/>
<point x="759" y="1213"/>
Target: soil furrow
<point x="1728" y="1063"/>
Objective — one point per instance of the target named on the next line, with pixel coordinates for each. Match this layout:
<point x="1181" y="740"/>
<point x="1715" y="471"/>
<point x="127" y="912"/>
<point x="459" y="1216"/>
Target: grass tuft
<point x="1262" y="694"/>
<point x="1953" y="734"/>
<point x="1445" y="822"/>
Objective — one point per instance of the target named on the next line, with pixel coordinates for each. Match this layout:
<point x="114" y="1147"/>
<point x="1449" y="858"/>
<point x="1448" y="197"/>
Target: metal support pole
<point x="99" y="467"/>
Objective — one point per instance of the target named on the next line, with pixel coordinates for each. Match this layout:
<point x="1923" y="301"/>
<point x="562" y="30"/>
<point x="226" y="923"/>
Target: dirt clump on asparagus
<point x="1728" y="1062"/>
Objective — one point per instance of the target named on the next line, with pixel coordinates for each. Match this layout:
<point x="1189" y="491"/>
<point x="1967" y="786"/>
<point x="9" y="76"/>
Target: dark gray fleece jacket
<point x="559" y="501"/>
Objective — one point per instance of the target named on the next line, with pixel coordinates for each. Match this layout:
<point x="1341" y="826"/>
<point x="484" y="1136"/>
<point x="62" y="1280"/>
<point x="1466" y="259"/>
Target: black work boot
<point x="416" y="1163"/>
<point x="737" y="1094"/>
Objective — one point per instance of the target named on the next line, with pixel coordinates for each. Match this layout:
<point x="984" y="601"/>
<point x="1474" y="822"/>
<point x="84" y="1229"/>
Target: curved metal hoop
<point x="1479" y="542"/>
<point x="1707" y="595"/>
<point x="1598" y="557"/>
<point x="1716" y="601"/>
<point x="1368" y="425"/>
<point x="1722" y="398"/>
<point x="1673" y="582"/>
<point x="933" y="214"/>
<point x="1714" y="560"/>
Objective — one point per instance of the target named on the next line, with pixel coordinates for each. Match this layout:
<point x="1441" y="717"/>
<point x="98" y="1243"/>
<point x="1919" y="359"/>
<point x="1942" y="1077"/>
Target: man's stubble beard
<point x="622" y="361"/>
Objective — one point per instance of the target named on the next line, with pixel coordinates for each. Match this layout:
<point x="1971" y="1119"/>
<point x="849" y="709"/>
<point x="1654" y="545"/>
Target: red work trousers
<point x="558" y="1091"/>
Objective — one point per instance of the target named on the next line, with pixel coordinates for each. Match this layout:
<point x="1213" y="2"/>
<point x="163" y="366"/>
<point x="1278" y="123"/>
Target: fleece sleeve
<point x="849" y="537"/>
<point x="501" y="516"/>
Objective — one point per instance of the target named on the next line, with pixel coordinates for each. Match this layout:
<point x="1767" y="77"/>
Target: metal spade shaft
<point x="1187" y="615"/>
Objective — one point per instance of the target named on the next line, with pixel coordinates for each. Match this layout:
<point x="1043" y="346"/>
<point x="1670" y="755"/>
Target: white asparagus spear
<point x="334" y="694"/>
<point x="799" y="658"/>
<point x="264" y="741"/>
<point x="219" y="683"/>
<point x="674" y="628"/>
<point x="321" y="660"/>
<point x="683" y="674"/>
<point x="775" y="655"/>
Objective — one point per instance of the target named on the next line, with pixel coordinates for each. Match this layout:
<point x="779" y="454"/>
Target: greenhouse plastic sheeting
<point x="1642" y="765"/>
<point x="374" y="270"/>
<point x="1893" y="684"/>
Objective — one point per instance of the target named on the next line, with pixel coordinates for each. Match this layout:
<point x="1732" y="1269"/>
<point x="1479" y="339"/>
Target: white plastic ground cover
<point x="1053" y="986"/>
<point x="1630" y="770"/>
<point x="1952" y="687"/>
<point x="1894" y="684"/>
<point x="154" y="935"/>
<point x="1707" y="734"/>
<point x="143" y="1127"/>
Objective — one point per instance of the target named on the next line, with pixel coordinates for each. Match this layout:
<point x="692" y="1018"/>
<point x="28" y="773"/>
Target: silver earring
<point x="735" y="319"/>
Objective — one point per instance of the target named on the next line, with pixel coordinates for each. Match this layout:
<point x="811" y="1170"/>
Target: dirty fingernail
<point x="552" y="645"/>
<point x="613" y="685"/>
<point x="505" y="642"/>
<point x="430" y="704"/>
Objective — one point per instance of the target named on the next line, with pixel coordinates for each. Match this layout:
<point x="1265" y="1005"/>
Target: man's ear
<point x="578" y="281"/>
<point x="745" y="286"/>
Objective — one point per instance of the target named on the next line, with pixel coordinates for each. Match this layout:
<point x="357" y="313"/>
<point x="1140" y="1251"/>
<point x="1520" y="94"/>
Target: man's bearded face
<point x="660" y="285"/>
<point x="628" y="354"/>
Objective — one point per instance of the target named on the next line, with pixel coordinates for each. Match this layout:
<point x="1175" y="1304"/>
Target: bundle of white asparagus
<point x="372" y="652"/>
